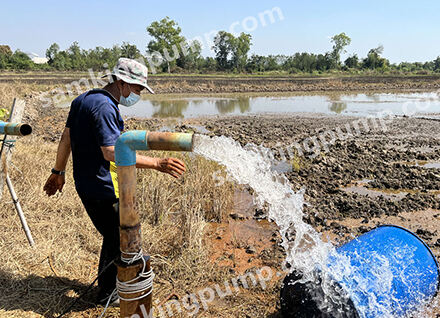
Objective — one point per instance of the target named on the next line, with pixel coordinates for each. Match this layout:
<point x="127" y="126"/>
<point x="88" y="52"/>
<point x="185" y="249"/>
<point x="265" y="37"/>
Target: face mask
<point x="130" y="100"/>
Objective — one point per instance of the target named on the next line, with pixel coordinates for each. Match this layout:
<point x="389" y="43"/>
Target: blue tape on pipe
<point x="8" y="128"/>
<point x="126" y="146"/>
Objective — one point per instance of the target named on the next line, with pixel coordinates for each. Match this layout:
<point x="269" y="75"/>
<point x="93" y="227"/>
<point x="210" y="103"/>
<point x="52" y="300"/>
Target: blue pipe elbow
<point x="126" y="146"/>
<point x="129" y="142"/>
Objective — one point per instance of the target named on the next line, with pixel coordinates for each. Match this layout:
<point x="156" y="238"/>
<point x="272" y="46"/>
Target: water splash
<point x="305" y="250"/>
<point x="251" y="165"/>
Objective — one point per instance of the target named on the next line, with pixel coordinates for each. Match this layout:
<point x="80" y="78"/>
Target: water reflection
<point x="367" y="104"/>
<point x="225" y="106"/>
<point x="169" y="108"/>
<point x="373" y="97"/>
<point x="176" y="108"/>
<point x="338" y="107"/>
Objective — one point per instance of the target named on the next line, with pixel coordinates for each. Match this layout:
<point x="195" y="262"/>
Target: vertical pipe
<point x="136" y="270"/>
<point x="131" y="242"/>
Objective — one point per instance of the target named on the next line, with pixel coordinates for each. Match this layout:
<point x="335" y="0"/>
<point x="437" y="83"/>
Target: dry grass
<point x="42" y="281"/>
<point x="8" y="91"/>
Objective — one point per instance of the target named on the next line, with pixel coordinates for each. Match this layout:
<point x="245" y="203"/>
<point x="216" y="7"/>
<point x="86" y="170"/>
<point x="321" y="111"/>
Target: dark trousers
<point x="105" y="217"/>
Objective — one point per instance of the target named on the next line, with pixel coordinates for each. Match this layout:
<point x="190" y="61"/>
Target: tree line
<point x="169" y="51"/>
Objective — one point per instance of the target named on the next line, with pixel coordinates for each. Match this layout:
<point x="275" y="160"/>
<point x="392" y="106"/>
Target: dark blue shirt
<point x="94" y="121"/>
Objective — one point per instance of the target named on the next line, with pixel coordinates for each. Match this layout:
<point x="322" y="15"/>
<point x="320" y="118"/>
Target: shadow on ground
<point x="48" y="296"/>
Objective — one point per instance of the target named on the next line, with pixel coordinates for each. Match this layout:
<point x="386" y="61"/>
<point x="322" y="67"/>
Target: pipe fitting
<point x="15" y="129"/>
<point x="130" y="141"/>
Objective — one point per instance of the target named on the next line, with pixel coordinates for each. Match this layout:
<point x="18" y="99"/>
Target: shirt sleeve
<point x="69" y="121"/>
<point x="106" y="125"/>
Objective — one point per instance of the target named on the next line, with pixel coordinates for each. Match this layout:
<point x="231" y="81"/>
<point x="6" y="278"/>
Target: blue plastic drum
<point x="386" y="272"/>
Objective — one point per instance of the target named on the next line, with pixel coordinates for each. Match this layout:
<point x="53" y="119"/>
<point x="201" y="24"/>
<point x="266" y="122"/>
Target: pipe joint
<point x="126" y="146"/>
<point x="130" y="141"/>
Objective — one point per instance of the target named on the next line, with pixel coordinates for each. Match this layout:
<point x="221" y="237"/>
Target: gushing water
<point x="306" y="251"/>
<point x="251" y="166"/>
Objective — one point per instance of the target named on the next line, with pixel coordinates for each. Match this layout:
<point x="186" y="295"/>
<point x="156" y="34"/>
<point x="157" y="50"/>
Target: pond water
<point x="163" y="106"/>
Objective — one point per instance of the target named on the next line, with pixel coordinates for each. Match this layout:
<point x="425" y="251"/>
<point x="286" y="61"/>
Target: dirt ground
<point x="379" y="176"/>
<point x="233" y="84"/>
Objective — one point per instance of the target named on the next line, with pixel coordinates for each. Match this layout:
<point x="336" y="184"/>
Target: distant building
<point x="37" y="59"/>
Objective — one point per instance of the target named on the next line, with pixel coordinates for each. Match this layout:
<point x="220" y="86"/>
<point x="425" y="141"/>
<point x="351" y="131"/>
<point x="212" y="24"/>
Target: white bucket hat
<point x="132" y="72"/>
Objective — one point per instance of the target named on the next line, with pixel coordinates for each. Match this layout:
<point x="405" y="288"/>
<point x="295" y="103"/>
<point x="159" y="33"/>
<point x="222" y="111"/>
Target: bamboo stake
<point x="17" y="204"/>
<point x="131" y="242"/>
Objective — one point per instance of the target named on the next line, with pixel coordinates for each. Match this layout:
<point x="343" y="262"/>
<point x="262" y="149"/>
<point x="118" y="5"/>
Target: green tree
<point x="437" y="64"/>
<point x="3" y="61"/>
<point x="21" y="61"/>
<point x="52" y="52"/>
<point x="208" y="64"/>
<point x="240" y="48"/>
<point x="76" y="56"/>
<point x="340" y="41"/>
<point x="166" y="40"/>
<point x="61" y="61"/>
<point x="114" y="54"/>
<point x="324" y="62"/>
<point x="374" y="59"/>
<point x="223" y="48"/>
<point x="130" y="51"/>
<point x="256" y="63"/>
<point x="191" y="58"/>
<point x="352" y="61"/>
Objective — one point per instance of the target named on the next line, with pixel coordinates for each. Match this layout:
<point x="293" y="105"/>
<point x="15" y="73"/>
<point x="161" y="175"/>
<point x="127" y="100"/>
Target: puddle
<point x="353" y="104"/>
<point x="239" y="104"/>
<point x="359" y="187"/>
<point x="281" y="167"/>
<point x="373" y="193"/>
<point x="197" y="128"/>
<point x="166" y="128"/>
<point x="238" y="242"/>
<point x="431" y="165"/>
<point x="423" y="164"/>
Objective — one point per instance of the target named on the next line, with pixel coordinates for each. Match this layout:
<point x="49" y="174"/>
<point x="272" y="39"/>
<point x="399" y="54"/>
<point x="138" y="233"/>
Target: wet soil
<point x="245" y="242"/>
<point x="373" y="155"/>
<point x="378" y="177"/>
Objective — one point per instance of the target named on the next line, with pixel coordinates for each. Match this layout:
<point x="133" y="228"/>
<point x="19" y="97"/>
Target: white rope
<point x="132" y="287"/>
<point x="139" y="284"/>
<point x="108" y="303"/>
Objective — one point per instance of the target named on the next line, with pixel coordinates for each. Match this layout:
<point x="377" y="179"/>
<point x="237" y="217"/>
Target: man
<point x="93" y="125"/>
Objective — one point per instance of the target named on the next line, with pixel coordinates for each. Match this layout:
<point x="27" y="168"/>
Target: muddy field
<point x="386" y="175"/>
<point x="232" y="84"/>
<point x="383" y="175"/>
<point x="381" y="172"/>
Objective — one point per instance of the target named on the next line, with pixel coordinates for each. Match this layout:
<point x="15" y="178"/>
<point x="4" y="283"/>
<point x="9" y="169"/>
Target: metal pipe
<point x="15" y="129"/>
<point x="130" y="229"/>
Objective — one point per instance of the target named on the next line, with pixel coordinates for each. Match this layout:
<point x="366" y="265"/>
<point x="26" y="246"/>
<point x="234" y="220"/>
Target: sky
<point x="408" y="30"/>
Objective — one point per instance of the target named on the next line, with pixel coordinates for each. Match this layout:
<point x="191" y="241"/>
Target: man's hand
<point x="53" y="184"/>
<point x="172" y="166"/>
